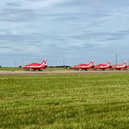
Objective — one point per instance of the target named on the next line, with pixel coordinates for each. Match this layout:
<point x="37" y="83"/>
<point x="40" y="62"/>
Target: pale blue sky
<point x="63" y="31"/>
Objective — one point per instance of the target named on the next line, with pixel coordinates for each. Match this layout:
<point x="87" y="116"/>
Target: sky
<point x="66" y="32"/>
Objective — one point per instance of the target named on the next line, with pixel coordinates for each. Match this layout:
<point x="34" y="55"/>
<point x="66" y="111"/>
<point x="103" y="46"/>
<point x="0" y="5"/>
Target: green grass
<point x="10" y="69"/>
<point x="85" y="101"/>
<point x="20" y="69"/>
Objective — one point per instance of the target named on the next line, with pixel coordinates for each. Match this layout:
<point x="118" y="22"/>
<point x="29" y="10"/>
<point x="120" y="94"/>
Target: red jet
<point x="120" y="66"/>
<point x="36" y="66"/>
<point x="103" y="66"/>
<point x="84" y="66"/>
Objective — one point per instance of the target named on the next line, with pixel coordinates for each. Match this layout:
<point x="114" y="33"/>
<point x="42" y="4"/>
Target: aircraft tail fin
<point x="124" y="63"/>
<point x="91" y="62"/>
<point x="44" y="62"/>
<point x="108" y="62"/>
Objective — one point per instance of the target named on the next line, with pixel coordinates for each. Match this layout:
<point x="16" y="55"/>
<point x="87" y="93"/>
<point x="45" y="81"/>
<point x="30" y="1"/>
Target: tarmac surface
<point x="57" y="72"/>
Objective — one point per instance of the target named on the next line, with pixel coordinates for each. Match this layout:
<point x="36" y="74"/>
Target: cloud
<point x="31" y="4"/>
<point x="44" y="4"/>
<point x="26" y="10"/>
<point x="16" y="15"/>
<point x="71" y="29"/>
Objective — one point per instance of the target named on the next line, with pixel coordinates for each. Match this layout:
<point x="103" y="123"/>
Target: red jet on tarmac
<point x="120" y="66"/>
<point x="84" y="66"/>
<point x="103" y="66"/>
<point x="36" y="66"/>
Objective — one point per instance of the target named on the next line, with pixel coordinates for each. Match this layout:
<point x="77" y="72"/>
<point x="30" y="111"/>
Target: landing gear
<point x="27" y="69"/>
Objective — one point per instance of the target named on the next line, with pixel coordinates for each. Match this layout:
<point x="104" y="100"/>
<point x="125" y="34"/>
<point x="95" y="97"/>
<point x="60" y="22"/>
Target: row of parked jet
<point x="90" y="65"/>
<point x="108" y="65"/>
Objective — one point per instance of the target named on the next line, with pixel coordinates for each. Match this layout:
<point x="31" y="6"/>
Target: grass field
<point x="10" y="69"/>
<point x="82" y="101"/>
<point x="20" y="69"/>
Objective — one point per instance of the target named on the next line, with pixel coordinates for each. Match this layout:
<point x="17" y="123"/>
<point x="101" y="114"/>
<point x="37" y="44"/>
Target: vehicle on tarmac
<point x="90" y="65"/>
<point x="103" y="66"/>
<point x="36" y="66"/>
<point x="120" y="66"/>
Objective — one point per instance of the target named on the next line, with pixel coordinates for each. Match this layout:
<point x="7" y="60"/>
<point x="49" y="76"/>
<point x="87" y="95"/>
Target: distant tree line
<point x="61" y="66"/>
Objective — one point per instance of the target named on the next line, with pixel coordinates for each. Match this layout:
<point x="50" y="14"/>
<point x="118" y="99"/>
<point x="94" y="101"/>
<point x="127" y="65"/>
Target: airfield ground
<point x="20" y="71"/>
<point x="56" y="72"/>
<point x="64" y="99"/>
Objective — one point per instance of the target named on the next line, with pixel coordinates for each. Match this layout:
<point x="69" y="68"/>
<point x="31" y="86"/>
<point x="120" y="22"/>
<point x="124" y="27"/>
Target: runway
<point x="58" y="72"/>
